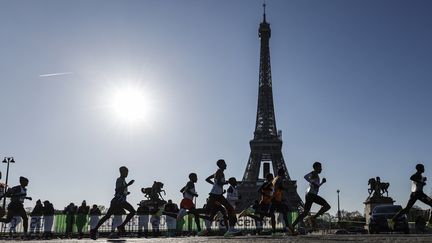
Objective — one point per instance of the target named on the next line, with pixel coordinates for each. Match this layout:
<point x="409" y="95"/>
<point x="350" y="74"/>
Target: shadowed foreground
<point x="309" y="238"/>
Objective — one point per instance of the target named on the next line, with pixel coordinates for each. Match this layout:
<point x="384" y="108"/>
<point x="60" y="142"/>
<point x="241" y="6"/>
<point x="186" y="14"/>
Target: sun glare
<point x="131" y="105"/>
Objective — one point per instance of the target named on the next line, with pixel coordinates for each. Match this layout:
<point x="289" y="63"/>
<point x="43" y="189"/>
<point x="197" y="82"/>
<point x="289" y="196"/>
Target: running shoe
<point x="292" y="230"/>
<point x="246" y="212"/>
<point x="93" y="233"/>
<point x="203" y="232"/>
<point x="232" y="232"/>
<point x="276" y="234"/>
<point x="121" y="230"/>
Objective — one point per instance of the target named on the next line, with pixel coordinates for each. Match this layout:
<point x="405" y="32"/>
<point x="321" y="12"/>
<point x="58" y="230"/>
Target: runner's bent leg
<point x="131" y="210"/>
<point x="411" y="202"/>
<point x="324" y="205"/>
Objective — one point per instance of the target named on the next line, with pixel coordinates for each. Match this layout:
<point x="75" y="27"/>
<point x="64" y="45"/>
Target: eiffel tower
<point x="266" y="146"/>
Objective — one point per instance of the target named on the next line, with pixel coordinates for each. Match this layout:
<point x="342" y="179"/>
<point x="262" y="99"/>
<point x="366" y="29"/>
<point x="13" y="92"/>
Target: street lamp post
<point x="7" y="160"/>
<point x="338" y="212"/>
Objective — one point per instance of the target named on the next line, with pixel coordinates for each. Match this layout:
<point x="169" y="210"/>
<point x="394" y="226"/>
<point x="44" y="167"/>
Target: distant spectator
<point x="143" y="220"/>
<point x="94" y="216"/>
<point x="48" y="214"/>
<point x="155" y="212"/>
<point x="70" y="212"/>
<point x="81" y="218"/>
<point x="36" y="217"/>
<point x="171" y="209"/>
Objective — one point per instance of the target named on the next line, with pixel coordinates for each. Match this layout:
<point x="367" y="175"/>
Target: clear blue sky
<point x="351" y="79"/>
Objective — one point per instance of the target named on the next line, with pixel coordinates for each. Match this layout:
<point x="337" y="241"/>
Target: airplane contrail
<point x="54" y="74"/>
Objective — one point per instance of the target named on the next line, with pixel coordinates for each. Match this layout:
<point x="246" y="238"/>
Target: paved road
<point x="387" y="238"/>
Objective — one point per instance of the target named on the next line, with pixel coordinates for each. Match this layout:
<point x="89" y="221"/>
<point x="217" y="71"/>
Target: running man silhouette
<point x="279" y="203"/>
<point x="418" y="182"/>
<point x="216" y="213"/>
<point x="118" y="202"/>
<point x="17" y="195"/>
<point x="232" y="192"/>
<point x="312" y="196"/>
<point x="187" y="204"/>
<point x="262" y="209"/>
<point x="216" y="196"/>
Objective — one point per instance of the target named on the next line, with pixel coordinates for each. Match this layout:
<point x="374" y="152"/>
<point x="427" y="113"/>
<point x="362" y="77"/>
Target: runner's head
<point x="317" y="167"/>
<point x="232" y="181"/>
<point x="23" y="181"/>
<point x="420" y="168"/>
<point x="221" y="164"/>
<point x="269" y="177"/>
<point x="193" y="177"/>
<point x="123" y="171"/>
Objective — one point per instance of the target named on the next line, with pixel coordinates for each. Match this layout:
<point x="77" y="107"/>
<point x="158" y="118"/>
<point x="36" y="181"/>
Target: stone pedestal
<point x="372" y="202"/>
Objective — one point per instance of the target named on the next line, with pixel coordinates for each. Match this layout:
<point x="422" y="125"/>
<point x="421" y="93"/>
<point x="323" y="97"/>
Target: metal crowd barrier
<point x="57" y="224"/>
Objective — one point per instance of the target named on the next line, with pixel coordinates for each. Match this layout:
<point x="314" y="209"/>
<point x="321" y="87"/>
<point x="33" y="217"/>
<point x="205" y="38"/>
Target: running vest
<point x="313" y="182"/>
<point x="18" y="194"/>
<point x="121" y="194"/>
<point x="218" y="189"/>
<point x="277" y="194"/>
<point x="22" y="195"/>
<point x="232" y="194"/>
<point x="188" y="195"/>
<point x="418" y="187"/>
<point x="267" y="193"/>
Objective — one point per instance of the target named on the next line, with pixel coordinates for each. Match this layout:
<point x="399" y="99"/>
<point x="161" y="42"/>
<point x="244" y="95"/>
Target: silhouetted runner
<point x="187" y="204"/>
<point x="118" y="202"/>
<point x="216" y="196"/>
<point x="263" y="209"/>
<point x="17" y="195"/>
<point x="312" y="196"/>
<point x="232" y="192"/>
<point x="215" y="213"/>
<point x="418" y="182"/>
<point x="279" y="203"/>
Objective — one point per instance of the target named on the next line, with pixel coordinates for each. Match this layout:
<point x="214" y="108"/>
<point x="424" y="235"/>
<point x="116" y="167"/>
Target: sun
<point x="131" y="104"/>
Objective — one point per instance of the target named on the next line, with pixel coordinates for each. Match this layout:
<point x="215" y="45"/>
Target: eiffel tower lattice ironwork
<point x="266" y="146"/>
